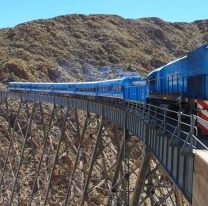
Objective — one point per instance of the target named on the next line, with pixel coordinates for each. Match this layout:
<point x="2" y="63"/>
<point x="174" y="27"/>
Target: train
<point x="180" y="85"/>
<point x="110" y="88"/>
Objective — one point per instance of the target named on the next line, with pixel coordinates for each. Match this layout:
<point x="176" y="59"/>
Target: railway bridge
<point x="65" y="151"/>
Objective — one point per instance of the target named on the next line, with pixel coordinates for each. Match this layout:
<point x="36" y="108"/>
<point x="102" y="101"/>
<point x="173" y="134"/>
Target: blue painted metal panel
<point x="197" y="61"/>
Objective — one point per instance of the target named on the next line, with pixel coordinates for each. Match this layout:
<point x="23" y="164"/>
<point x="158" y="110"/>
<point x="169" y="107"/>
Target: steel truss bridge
<point x="62" y="151"/>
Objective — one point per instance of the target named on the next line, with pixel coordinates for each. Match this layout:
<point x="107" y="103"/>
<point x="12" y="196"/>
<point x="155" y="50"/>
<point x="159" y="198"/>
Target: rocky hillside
<point x="83" y="48"/>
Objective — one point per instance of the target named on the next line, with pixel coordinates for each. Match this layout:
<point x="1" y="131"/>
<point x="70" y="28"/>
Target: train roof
<point x="169" y="63"/>
<point x="121" y="79"/>
<point x="40" y="83"/>
<point x="20" y="82"/>
<point x="110" y="80"/>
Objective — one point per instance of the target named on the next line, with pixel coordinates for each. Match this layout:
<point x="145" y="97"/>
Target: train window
<point x="152" y="79"/>
<point x="70" y="86"/>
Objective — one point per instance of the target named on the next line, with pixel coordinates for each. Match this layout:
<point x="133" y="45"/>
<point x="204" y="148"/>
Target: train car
<point x="40" y="87"/>
<point x="111" y="88"/>
<point x="86" y="88"/>
<point x="19" y="86"/>
<point x="116" y="88"/>
<point x="136" y="92"/>
<point x="63" y="88"/>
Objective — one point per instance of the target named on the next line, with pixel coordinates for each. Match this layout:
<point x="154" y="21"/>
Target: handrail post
<point x="143" y="112"/>
<point x="140" y="105"/>
<point x="147" y="118"/>
<point x="187" y="149"/>
<point x="136" y="108"/>
<point x="165" y="119"/>
<point x="192" y="132"/>
<point x="153" y="125"/>
<point x="179" y="127"/>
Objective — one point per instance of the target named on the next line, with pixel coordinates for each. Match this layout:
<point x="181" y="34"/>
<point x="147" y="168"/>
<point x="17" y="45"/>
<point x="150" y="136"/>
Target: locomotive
<point x="181" y="85"/>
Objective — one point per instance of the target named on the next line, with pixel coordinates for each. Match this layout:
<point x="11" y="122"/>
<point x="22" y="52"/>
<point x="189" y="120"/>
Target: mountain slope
<point x="75" y="47"/>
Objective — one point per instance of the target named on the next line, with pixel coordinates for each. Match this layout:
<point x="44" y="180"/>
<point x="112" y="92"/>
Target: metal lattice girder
<point x="58" y="155"/>
<point x="5" y="135"/>
<point x="83" y="161"/>
<point x="11" y="165"/>
<point x="14" y="174"/>
<point x="126" y="170"/>
<point x="156" y="188"/>
<point x="56" y="160"/>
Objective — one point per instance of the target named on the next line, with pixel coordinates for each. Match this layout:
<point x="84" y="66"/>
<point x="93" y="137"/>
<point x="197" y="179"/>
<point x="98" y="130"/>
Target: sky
<point x="13" y="12"/>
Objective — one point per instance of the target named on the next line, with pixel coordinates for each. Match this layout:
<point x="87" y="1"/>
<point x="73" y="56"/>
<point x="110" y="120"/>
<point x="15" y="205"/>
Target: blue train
<point x="184" y="78"/>
<point x="180" y="85"/>
<point x="131" y="88"/>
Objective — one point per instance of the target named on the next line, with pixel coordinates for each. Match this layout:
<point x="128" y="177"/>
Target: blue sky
<point x="13" y="12"/>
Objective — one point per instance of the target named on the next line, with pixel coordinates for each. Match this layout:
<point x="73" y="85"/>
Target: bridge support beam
<point x="72" y="152"/>
<point x="141" y="176"/>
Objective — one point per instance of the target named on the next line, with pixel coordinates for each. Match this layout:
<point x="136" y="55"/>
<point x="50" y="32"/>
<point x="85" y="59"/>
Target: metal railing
<point x="182" y="128"/>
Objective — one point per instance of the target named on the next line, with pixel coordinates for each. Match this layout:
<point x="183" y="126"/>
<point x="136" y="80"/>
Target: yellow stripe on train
<point x="138" y="102"/>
